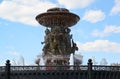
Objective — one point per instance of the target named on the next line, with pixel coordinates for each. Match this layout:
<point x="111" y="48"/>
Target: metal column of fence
<point x="90" y="69"/>
<point x="7" y="70"/>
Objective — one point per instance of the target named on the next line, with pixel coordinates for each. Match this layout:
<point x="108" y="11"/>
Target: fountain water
<point x="42" y="62"/>
<point x="71" y="61"/>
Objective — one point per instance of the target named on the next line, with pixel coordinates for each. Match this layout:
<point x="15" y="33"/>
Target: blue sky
<point x="97" y="34"/>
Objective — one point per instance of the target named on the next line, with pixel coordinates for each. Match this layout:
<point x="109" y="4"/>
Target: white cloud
<point x="111" y="29"/>
<point x="75" y="3"/>
<point x="14" y="53"/>
<point x="23" y="11"/>
<point x="116" y="8"/>
<point x="99" y="46"/>
<point x="93" y="16"/>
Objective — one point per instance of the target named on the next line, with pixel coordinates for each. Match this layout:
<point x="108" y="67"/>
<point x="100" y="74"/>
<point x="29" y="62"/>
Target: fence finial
<point x="8" y="62"/>
<point x="90" y="61"/>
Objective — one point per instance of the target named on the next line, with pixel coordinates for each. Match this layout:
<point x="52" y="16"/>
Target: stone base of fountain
<point x="60" y="62"/>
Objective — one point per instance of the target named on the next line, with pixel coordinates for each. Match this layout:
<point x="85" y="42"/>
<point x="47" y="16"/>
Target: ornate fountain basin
<point x="57" y="17"/>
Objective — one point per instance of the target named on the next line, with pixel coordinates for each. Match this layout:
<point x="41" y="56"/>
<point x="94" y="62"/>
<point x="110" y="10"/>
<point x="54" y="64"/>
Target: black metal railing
<point x="106" y="68"/>
<point x="50" y="68"/>
<point x="60" y="72"/>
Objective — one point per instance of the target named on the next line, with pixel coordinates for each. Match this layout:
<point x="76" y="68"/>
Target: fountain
<point x="58" y="42"/>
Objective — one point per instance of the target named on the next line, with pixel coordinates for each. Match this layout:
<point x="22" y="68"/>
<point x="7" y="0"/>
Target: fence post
<point x="7" y="70"/>
<point x="90" y="69"/>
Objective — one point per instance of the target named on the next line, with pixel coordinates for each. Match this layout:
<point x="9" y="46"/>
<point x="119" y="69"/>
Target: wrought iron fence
<point x="105" y="72"/>
<point x="60" y="72"/>
<point x="2" y="68"/>
<point x="106" y="68"/>
<point x="49" y="68"/>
